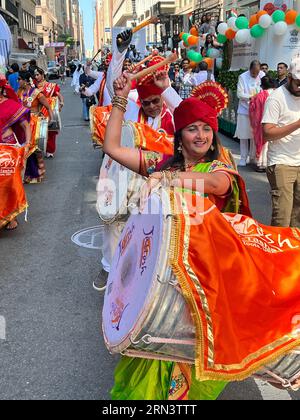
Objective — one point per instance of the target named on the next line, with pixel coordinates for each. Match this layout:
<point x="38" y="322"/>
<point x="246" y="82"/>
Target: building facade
<point x="103" y="24"/>
<point x="46" y="22"/>
<point x="20" y="17"/>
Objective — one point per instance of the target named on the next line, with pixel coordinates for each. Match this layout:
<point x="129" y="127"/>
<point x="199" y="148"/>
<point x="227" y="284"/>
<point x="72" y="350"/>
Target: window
<point x="39" y="20"/>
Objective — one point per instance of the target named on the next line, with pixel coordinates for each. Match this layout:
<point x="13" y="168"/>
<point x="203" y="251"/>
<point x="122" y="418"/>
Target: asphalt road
<point x="54" y="348"/>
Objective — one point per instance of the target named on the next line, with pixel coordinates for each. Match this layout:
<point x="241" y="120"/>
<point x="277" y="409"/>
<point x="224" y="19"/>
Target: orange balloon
<point x="253" y="21"/>
<point x="181" y="35"/>
<point x="290" y="17"/>
<point x="261" y="13"/>
<point x="210" y="63"/>
<point x="194" y="31"/>
<point x="193" y="65"/>
<point x="230" y="33"/>
<point x="193" y="40"/>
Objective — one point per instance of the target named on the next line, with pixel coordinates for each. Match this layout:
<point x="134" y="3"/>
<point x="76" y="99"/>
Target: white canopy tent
<point x="5" y="42"/>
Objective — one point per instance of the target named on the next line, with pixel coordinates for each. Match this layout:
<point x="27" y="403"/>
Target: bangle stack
<point x="120" y="103"/>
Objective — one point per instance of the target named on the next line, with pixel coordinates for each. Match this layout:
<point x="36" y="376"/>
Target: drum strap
<point x="148" y="339"/>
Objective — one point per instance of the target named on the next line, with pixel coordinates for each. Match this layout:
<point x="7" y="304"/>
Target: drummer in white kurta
<point x="153" y="112"/>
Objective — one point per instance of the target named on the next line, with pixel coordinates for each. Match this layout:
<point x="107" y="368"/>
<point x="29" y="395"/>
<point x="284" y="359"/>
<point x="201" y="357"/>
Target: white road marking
<point x="269" y="393"/>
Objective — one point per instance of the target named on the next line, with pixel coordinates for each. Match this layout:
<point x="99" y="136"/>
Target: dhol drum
<point x="284" y="372"/>
<point x="39" y="129"/>
<point x="55" y="124"/>
<point x="42" y="134"/>
<point x="145" y="314"/>
<point x="118" y="188"/>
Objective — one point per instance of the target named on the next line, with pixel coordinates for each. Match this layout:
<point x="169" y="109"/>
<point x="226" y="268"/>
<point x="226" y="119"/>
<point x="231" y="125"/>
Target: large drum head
<point x="115" y="182"/>
<point x="132" y="281"/>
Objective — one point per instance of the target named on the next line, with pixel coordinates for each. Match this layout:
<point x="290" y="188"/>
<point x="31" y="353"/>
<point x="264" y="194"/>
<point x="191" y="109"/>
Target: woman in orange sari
<point x="14" y="131"/>
<point x="50" y="90"/>
<point x="34" y="100"/>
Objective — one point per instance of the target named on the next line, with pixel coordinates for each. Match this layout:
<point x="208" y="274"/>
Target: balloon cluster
<point x="242" y="30"/>
<point x="191" y="39"/>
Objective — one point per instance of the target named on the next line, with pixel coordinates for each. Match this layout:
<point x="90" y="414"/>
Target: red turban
<point x="191" y="110"/>
<point x="146" y="87"/>
<point x="8" y="90"/>
<point x="207" y="102"/>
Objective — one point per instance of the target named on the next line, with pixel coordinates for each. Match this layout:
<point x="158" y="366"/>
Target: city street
<point x="54" y="347"/>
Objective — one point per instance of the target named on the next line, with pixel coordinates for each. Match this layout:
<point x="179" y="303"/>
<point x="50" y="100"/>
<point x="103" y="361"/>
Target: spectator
<point x="249" y="85"/>
<point x="174" y="76"/>
<point x="281" y="125"/>
<point x="207" y="27"/>
<point x="14" y="76"/>
<point x="203" y="75"/>
<point x="76" y="76"/>
<point x="24" y="68"/>
<point x="32" y="68"/>
<point x="256" y="112"/>
<point x="184" y="79"/>
<point x="282" y="73"/>
<point x="62" y="72"/>
<point x="265" y="68"/>
<point x="86" y="81"/>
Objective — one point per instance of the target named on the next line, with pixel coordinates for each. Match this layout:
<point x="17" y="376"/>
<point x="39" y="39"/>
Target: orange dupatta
<point x="13" y="198"/>
<point x="241" y="281"/>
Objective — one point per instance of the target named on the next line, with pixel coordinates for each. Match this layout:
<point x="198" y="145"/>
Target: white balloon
<point x="280" y="28"/>
<point x="219" y="63"/>
<point x="181" y="45"/>
<point x="265" y="21"/>
<point x="222" y="28"/>
<point x="231" y="23"/>
<point x="242" y="36"/>
<point x="214" y="53"/>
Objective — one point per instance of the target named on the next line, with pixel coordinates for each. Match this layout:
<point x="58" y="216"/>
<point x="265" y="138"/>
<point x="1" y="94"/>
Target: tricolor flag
<point x="234" y="13"/>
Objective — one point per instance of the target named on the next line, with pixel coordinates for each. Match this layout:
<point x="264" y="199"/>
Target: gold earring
<point x="212" y="148"/>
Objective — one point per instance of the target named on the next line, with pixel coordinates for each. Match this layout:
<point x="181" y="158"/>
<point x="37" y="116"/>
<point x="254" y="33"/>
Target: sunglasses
<point x="155" y="101"/>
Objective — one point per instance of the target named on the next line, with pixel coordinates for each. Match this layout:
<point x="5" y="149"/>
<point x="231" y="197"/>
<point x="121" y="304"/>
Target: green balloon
<point x="242" y="22"/>
<point x="257" y="31"/>
<point x="221" y="38"/>
<point x="298" y="21"/>
<point x="194" y="56"/>
<point x="185" y="37"/>
<point x="278" y="16"/>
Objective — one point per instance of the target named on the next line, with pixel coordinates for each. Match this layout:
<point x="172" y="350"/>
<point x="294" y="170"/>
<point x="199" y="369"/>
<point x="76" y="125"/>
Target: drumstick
<point x="137" y="65"/>
<point x="148" y="22"/>
<point x="93" y="59"/>
<point x="150" y="70"/>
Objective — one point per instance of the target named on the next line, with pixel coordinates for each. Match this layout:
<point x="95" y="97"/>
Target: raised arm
<point x="169" y="95"/>
<point x="130" y="158"/>
<point x="116" y="66"/>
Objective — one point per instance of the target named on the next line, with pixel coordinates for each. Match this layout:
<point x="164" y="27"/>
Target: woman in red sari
<point x="50" y="90"/>
<point x="14" y="131"/>
<point x="34" y="100"/>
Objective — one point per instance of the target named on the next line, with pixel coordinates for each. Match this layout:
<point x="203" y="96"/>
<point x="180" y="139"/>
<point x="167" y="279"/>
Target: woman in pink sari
<point x="14" y="127"/>
<point x="256" y="111"/>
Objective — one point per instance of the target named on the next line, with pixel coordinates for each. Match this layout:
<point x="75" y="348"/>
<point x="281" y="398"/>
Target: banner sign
<point x="270" y="49"/>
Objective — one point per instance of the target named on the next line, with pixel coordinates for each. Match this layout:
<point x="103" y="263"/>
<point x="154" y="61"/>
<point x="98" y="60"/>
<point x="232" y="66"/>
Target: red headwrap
<point x="146" y="87"/>
<point x="8" y="90"/>
<point x="206" y="103"/>
<point x="191" y="110"/>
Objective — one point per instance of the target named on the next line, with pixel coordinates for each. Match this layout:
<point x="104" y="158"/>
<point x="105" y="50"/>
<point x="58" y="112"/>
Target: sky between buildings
<point x="87" y="7"/>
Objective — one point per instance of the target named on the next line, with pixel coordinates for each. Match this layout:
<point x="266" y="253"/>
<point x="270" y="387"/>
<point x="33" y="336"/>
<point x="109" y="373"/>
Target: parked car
<point x="53" y="70"/>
